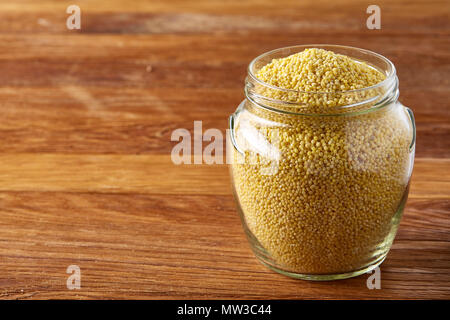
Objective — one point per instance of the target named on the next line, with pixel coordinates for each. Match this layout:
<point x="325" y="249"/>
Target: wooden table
<point x="86" y="119"/>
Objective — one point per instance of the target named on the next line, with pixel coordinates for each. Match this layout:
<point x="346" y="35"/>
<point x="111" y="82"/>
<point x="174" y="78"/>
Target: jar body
<point x="321" y="197"/>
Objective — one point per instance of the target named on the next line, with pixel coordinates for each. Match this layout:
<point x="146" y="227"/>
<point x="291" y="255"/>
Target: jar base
<point x="324" y="277"/>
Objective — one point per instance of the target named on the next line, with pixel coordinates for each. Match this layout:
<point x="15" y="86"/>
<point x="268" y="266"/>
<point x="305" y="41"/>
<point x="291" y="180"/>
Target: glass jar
<point x="321" y="189"/>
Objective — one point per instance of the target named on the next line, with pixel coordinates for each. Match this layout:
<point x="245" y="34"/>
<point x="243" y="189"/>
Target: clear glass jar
<point x="321" y="189"/>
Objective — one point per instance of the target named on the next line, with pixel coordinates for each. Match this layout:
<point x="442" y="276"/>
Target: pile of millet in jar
<point x="330" y="207"/>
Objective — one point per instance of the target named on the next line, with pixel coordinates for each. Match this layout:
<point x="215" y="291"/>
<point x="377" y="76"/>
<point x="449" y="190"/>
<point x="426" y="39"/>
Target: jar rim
<point x="390" y="76"/>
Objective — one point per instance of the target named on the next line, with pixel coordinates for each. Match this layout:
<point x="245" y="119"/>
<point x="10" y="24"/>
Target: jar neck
<point x="264" y="95"/>
<point x="292" y="103"/>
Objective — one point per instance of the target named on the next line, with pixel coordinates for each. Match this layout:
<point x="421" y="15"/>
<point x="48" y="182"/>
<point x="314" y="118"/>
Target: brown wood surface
<point x="86" y="119"/>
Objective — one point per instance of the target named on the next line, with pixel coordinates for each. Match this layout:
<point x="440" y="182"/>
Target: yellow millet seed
<point x="318" y="70"/>
<point x="332" y="203"/>
<point x="313" y="72"/>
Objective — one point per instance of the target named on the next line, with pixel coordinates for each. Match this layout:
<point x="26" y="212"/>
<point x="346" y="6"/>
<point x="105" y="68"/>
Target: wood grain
<point x="86" y="119"/>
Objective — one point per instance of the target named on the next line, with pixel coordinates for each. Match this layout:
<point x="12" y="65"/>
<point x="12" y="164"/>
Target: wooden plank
<point x="180" y="16"/>
<point x="157" y="174"/>
<point x="192" y="62"/>
<point x="109" y="173"/>
<point x="207" y="88"/>
<point x="75" y="119"/>
<point x="174" y="246"/>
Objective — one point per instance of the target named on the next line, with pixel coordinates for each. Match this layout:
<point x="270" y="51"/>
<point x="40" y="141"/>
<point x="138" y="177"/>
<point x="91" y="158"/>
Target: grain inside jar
<point x="334" y="198"/>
